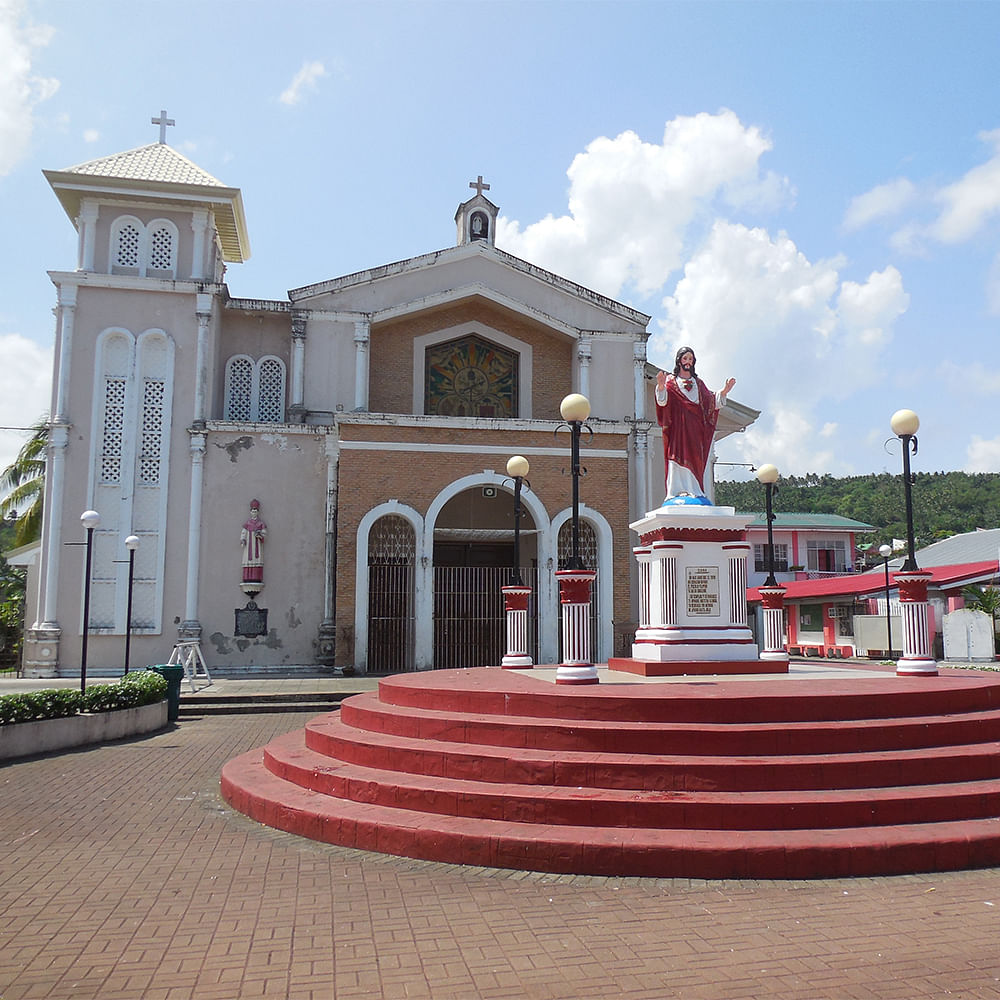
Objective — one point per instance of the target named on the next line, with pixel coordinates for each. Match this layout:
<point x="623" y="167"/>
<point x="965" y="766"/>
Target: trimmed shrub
<point x="135" y="689"/>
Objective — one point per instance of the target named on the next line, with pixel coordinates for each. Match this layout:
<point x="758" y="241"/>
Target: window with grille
<point x="143" y="250"/>
<point x="255" y="390"/>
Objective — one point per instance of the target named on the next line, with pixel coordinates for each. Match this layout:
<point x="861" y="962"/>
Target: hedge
<point x="138" y="687"/>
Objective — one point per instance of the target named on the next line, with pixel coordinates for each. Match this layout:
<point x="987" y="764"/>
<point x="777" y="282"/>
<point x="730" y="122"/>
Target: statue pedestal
<point x="692" y="595"/>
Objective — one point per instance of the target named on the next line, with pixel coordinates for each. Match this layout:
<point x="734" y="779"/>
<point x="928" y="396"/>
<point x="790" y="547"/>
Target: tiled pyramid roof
<point x="156" y="163"/>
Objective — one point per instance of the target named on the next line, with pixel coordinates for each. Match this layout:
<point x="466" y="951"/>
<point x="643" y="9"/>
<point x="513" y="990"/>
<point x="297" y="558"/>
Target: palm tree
<point x="23" y="482"/>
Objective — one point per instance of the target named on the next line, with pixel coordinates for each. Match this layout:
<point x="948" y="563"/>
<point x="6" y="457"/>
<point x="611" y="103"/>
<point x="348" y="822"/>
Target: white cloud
<point x="983" y="454"/>
<point x="304" y="81"/>
<point x="878" y="203"/>
<point x="20" y="90"/>
<point x="91" y="135"/>
<point x="795" y="335"/>
<point x="972" y="377"/>
<point x="972" y="200"/>
<point x="631" y="203"/>
<point x="25" y="390"/>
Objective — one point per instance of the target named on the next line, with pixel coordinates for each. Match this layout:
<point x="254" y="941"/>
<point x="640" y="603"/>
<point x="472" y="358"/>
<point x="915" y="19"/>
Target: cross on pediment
<point x="163" y="121"/>
<point x="479" y="185"/>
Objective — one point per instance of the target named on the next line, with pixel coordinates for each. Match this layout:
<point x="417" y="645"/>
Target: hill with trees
<point x="944" y="503"/>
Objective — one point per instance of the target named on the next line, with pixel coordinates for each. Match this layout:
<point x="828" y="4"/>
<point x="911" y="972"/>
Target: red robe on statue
<point x="688" y="428"/>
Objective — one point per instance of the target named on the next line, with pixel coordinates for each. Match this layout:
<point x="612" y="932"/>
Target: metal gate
<point x="470" y="626"/>
<point x="391" y="618"/>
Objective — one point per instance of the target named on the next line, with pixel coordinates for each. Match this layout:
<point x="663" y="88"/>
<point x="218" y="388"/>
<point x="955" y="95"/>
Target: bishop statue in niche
<point x="252" y="537"/>
<point x="470" y="377"/>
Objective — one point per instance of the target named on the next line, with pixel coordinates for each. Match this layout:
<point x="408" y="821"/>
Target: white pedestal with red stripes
<point x="692" y="585"/>
<point x="773" y="601"/>
<point x="516" y="607"/>
<point x="577" y="665"/>
<point x="918" y="656"/>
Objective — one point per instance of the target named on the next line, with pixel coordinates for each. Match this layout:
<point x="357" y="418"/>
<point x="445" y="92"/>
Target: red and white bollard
<point x="516" y="606"/>
<point x="773" y="602"/>
<point x="574" y="597"/>
<point x="917" y="655"/>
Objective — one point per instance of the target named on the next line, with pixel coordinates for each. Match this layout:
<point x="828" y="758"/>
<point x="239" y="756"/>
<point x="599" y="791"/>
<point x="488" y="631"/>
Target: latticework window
<point x="162" y="248"/>
<point x="127" y="246"/>
<point x="255" y="390"/>
<point x="152" y="431"/>
<point x="114" y="428"/>
<point x="271" y="391"/>
<point x="129" y="456"/>
<point x="391" y="540"/>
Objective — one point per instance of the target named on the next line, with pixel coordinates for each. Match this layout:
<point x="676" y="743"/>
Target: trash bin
<point x="174" y="674"/>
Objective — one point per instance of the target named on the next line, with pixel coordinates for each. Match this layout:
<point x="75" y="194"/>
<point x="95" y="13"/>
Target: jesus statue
<point x="687" y="412"/>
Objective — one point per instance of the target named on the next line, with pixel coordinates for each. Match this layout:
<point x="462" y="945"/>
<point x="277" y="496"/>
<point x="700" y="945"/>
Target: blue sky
<point x="808" y="193"/>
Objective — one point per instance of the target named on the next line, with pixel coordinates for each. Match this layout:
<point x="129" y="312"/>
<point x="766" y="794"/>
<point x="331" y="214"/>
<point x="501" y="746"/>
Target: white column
<point x="774" y="632"/>
<point x="67" y="315"/>
<point x="199" y="225"/>
<point x="583" y="358"/>
<point x="204" y="312"/>
<point x="737" y="585"/>
<point x="87" y="224"/>
<point x="641" y="504"/>
<point x="327" y="640"/>
<point x="362" y="337"/>
<point x="298" y="361"/>
<point x="639" y="378"/>
<point x="191" y="627"/>
<point x="56" y="475"/>
<point x="516" y="608"/>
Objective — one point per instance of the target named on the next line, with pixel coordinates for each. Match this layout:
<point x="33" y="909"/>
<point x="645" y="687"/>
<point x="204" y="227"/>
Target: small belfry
<point x="477" y="217"/>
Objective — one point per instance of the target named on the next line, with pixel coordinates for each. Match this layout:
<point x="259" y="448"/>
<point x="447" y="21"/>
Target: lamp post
<point x="768" y="475"/>
<point x="517" y="469"/>
<point x="90" y="519"/>
<point x="905" y="424"/>
<point x="912" y="582"/>
<point x="885" y="551"/>
<point x="575" y="409"/>
<point x="516" y="594"/>
<point x="772" y="594"/>
<point x="131" y="543"/>
<point x="577" y="665"/>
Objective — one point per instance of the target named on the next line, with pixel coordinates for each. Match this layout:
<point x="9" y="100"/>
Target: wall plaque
<point x="251" y="621"/>
<point x="703" y="592"/>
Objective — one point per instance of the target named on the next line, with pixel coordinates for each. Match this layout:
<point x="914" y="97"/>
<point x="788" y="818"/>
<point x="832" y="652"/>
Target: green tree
<point x="23" y="486"/>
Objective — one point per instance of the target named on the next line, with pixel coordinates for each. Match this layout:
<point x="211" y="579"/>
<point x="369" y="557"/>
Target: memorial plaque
<point x="703" y="592"/>
<point x="251" y="621"/>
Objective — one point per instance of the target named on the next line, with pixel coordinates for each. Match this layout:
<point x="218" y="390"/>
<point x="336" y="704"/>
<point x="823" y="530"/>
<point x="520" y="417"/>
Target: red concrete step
<point x="491" y="691"/>
<point x="937" y="846"/>
<point x="367" y="712"/>
<point x="289" y="758"/>
<point x="331" y="737"/>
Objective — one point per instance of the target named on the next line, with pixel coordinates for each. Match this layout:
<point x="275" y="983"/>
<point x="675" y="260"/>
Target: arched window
<point x="127" y="238"/>
<point x="141" y="250"/>
<point x="132" y="408"/>
<point x="255" y="390"/>
<point x="162" y="249"/>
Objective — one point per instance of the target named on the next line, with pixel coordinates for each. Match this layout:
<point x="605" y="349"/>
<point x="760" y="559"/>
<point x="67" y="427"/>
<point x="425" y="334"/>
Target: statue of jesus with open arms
<point x="687" y="412"/>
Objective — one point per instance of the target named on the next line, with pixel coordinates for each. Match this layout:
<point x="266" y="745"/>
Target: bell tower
<point x="477" y="218"/>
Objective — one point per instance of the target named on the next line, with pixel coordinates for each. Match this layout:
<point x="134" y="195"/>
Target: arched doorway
<point x="473" y="560"/>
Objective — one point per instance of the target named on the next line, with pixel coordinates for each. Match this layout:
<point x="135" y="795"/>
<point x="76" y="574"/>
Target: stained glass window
<point x="470" y="377"/>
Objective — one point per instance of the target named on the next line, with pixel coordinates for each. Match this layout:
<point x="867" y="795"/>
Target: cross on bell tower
<point x="477" y="217"/>
<point x="479" y="185"/>
<point x="163" y="121"/>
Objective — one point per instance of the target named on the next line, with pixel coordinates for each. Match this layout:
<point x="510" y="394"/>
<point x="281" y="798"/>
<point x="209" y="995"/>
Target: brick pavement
<point x="124" y="875"/>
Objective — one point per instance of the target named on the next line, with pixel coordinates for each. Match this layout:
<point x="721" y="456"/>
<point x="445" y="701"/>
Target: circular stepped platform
<point x="778" y="778"/>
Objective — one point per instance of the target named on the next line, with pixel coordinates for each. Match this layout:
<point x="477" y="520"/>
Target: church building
<point x="321" y="480"/>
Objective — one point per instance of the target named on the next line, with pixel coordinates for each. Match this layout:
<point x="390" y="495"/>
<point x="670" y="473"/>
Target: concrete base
<point x="700" y="668"/>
